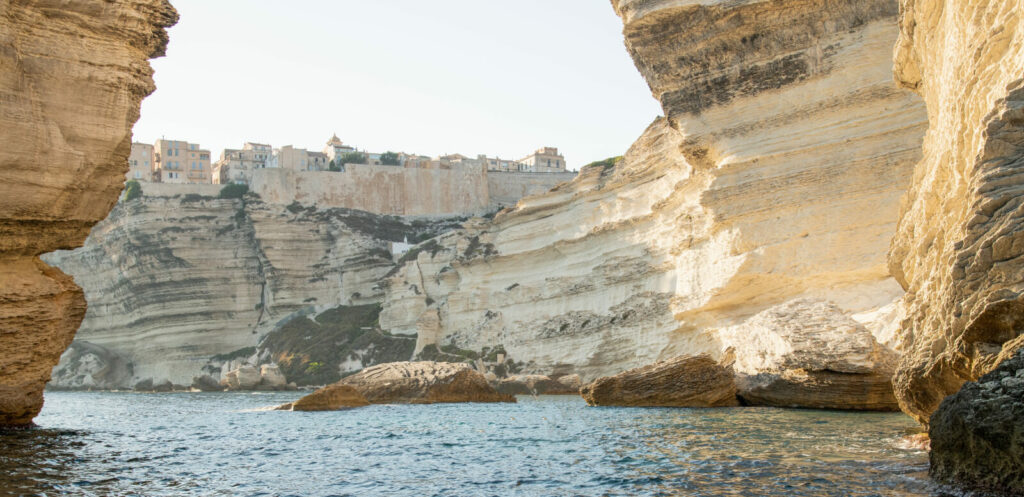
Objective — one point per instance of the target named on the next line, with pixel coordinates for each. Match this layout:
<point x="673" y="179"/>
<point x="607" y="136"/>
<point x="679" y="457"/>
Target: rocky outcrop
<point x="329" y="398"/>
<point x="174" y="281"/>
<point x="775" y="177"/>
<point x="72" y="78"/>
<point x="808" y="353"/>
<point x="683" y="381"/>
<point x="423" y="383"/>
<point x="87" y="366"/>
<point x="959" y="247"/>
<point x="977" y="434"/>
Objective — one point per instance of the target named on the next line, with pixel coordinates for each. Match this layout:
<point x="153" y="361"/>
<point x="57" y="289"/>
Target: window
<point x="138" y="175"/>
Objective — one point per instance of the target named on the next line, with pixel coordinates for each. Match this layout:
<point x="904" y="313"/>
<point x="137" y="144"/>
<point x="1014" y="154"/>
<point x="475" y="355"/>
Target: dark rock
<point x="977" y="434"/>
<point x="684" y="381"/>
<point x="330" y="398"/>
<point x="164" y="387"/>
<point x="144" y="385"/>
<point x="206" y="383"/>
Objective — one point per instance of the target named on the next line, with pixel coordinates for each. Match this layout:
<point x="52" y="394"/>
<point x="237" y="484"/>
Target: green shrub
<point x="353" y="158"/>
<point x="389" y="159"/>
<point x="606" y="164"/>
<point x="234" y="191"/>
<point x="132" y="191"/>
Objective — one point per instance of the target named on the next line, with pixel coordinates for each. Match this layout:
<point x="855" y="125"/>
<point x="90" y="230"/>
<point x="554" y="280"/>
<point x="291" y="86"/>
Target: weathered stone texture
<point x="977" y="434"/>
<point x="423" y="383"/>
<point x="775" y="177"/>
<point x="72" y="77"/>
<point x="959" y="246"/>
<point x="679" y="382"/>
<point x="173" y="281"/>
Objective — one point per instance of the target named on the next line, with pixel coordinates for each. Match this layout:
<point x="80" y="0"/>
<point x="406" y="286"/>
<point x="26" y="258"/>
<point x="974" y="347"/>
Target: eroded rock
<point x="423" y="383"/>
<point x="330" y="398"/>
<point x="683" y="381"/>
<point x="72" y="80"/>
<point x="538" y="385"/>
<point x="87" y="366"/>
<point x="809" y="353"/>
<point x="959" y="246"/>
<point x="977" y="434"/>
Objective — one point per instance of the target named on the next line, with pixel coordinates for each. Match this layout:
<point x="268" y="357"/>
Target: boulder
<point x="206" y="383"/>
<point x="424" y="383"/>
<point x="144" y="385"/>
<point x="810" y="353"/>
<point x="572" y="382"/>
<point x="330" y="398"/>
<point x="244" y="378"/>
<point x="684" y="381"/>
<point x="163" y="387"/>
<point x="535" y="385"/>
<point x="271" y="375"/>
<point x="977" y="434"/>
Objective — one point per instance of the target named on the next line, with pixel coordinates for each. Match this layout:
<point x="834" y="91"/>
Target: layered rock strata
<point x="329" y="398"/>
<point x="177" y="284"/>
<point x="775" y="177"/>
<point x="977" y="434"/>
<point x="423" y="383"/>
<point x="679" y="382"/>
<point x="808" y="353"/>
<point x="959" y="247"/>
<point x="72" y="77"/>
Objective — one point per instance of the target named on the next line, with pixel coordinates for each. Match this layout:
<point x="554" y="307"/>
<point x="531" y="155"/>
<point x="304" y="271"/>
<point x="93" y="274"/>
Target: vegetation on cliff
<point x="314" y="351"/>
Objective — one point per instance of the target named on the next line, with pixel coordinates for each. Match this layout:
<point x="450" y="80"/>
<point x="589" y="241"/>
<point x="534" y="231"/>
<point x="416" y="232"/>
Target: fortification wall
<point x="507" y="189"/>
<point x="173" y="190"/>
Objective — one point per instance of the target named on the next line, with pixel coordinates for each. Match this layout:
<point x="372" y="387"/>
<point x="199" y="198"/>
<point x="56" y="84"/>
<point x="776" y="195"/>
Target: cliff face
<point x="959" y="247"/>
<point x="173" y="281"/>
<point x="773" y="182"/>
<point x="72" y="77"/>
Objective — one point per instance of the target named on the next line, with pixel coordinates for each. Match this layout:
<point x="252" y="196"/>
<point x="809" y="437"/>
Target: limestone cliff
<point x="773" y="182"/>
<point x="173" y="281"/>
<point x="73" y="74"/>
<point x="959" y="247"/>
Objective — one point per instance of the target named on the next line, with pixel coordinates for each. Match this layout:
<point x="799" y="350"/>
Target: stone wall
<point x="506" y="189"/>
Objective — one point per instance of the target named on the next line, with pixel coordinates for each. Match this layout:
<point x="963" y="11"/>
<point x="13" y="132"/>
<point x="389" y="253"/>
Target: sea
<point x="230" y="444"/>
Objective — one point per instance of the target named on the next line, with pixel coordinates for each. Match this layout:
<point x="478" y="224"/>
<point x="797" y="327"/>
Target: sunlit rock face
<point x="959" y="247"/>
<point x="73" y="74"/>
<point x="174" y="281"/>
<point x="775" y="177"/>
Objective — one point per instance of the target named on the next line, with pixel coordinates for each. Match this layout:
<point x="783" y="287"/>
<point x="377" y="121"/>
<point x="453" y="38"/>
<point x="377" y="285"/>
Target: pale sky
<point x="448" y="76"/>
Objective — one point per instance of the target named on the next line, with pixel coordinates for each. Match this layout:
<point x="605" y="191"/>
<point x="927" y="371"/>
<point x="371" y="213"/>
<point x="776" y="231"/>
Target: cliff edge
<point x="72" y="77"/>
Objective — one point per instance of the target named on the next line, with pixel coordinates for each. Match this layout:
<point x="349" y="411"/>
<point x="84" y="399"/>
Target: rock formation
<point x="679" y="382"/>
<point x="173" y="281"/>
<point x="977" y="434"/>
<point x="72" y="78"/>
<point x="87" y="366"/>
<point x="329" y="398"/>
<point x="808" y="353"/>
<point x="423" y="383"/>
<point x="775" y="177"/>
<point x="959" y="247"/>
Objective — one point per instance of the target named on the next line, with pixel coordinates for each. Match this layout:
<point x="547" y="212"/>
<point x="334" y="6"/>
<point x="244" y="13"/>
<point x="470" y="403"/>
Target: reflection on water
<point x="217" y="444"/>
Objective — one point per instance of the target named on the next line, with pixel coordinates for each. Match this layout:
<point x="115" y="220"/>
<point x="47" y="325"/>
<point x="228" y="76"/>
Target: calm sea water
<point x="215" y="444"/>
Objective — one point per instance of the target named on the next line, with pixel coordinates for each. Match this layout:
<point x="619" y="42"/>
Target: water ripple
<point x="225" y="444"/>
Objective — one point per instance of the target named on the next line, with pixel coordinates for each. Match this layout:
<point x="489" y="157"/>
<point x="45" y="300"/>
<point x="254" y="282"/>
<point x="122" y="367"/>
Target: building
<point x="236" y="166"/>
<point x="181" y="162"/>
<point x="335" y="149"/>
<point x="298" y="159"/>
<point x="140" y="162"/>
<point x="544" y="160"/>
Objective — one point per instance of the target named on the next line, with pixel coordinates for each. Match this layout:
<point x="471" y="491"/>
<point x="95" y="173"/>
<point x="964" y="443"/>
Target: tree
<point x="132" y="191"/>
<point x="334" y="167"/>
<point x="234" y="190"/>
<point x="389" y="158"/>
<point x="353" y="158"/>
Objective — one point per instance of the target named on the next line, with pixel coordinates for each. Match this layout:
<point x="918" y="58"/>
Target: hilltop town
<point x="183" y="162"/>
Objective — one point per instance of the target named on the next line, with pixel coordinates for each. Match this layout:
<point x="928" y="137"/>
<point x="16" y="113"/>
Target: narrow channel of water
<point x="218" y="444"/>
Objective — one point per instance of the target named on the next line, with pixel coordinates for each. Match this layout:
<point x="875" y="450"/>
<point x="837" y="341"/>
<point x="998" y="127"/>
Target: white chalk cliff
<point x="773" y="182"/>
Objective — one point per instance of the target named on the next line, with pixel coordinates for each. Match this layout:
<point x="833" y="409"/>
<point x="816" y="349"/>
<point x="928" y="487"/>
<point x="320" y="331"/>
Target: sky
<point x="449" y="76"/>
